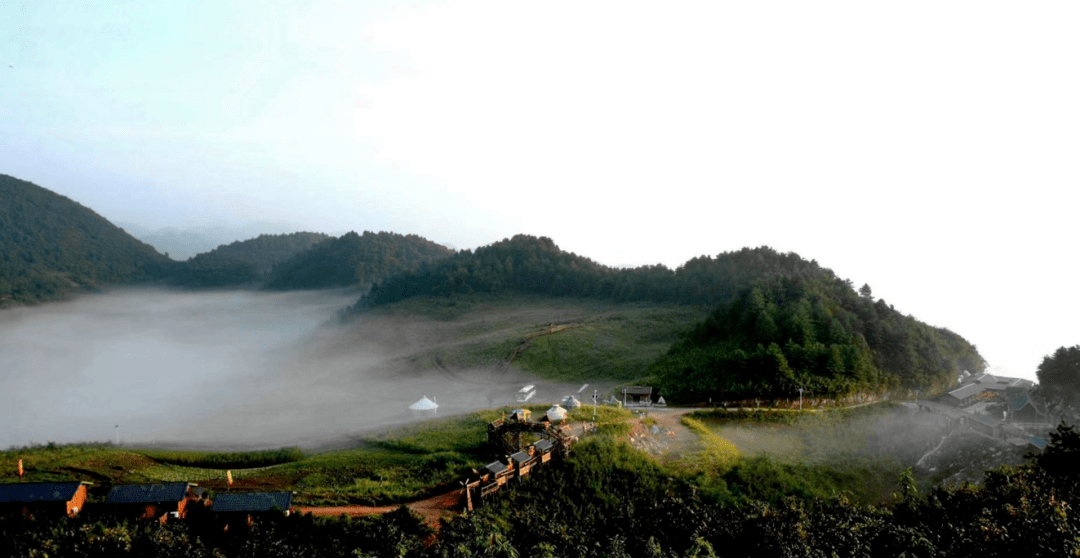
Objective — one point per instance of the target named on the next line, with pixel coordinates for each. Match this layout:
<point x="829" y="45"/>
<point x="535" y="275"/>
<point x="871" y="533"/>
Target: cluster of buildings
<point x="997" y="407"/>
<point x="527" y="444"/>
<point x="160" y="502"/>
<point x="1012" y="397"/>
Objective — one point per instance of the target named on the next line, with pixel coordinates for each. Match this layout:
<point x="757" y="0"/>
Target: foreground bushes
<point x="609" y="500"/>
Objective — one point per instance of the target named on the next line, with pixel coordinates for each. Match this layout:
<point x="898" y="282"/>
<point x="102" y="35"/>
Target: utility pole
<point x="594" y="406"/>
<point x="118" y="435"/>
<point x="800" y="398"/>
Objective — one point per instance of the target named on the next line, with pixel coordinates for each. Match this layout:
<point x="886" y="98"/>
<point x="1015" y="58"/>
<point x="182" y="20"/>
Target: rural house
<point x="523" y="463"/>
<point x="542" y="449"/>
<point x="637" y="395"/>
<point x="242" y="509"/>
<point x="153" y="501"/>
<point x="44" y="498"/>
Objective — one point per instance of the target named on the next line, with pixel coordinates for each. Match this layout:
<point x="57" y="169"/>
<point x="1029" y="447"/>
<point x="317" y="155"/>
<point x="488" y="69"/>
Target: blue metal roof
<point x="253" y="502"/>
<point x="39" y="492"/>
<point x="147" y="493"/>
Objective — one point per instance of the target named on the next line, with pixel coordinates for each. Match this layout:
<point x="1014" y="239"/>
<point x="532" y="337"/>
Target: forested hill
<point x="355" y="260"/>
<point x="51" y="246"/>
<point x="247" y="262"/>
<point x="780" y="322"/>
<point x="809" y="330"/>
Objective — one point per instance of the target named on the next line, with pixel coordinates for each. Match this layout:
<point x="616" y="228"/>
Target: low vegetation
<point x="606" y="499"/>
<point x="226" y="460"/>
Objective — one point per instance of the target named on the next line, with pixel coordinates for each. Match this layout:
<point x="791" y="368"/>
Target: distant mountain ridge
<point x="355" y="260"/>
<point x="51" y="246"/>
<point x="241" y="263"/>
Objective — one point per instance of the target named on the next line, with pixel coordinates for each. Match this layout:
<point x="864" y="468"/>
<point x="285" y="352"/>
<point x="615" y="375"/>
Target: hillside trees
<point x="51" y="246"/>
<point x="810" y="331"/>
<point x="355" y="260"/>
<point x="780" y="322"/>
<point x="1059" y="373"/>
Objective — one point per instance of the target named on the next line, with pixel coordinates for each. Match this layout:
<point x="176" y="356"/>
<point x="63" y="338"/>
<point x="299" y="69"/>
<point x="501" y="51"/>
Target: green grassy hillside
<point x="561" y="339"/>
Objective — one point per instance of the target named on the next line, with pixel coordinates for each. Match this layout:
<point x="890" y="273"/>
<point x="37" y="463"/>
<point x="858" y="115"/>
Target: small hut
<point x="571" y="402"/>
<point x="556" y="413"/>
<point x="51" y="498"/>
<point x="542" y="449"/>
<point x="637" y="395"/>
<point x="521" y="415"/>
<point x="151" y="501"/>
<point x="242" y="509"/>
<point x="523" y="463"/>
<point x="424" y="407"/>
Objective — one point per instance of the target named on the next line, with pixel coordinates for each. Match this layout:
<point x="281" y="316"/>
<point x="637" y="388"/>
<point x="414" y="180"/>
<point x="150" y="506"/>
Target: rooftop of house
<point x="969" y="390"/>
<point x="496" y="467"/>
<point x="38" y="492"/>
<point x="253" y="502"/>
<point x="637" y="390"/>
<point x="543" y="445"/>
<point x="147" y="493"/>
<point x="520" y="457"/>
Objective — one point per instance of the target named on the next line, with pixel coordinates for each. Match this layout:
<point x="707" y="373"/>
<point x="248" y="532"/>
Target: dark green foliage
<point x="1059" y="373"/>
<point x="806" y="328"/>
<point x="398" y="533"/>
<point x="51" y="247"/>
<point x="523" y="264"/>
<point x="355" y="260"/>
<point x="608" y="500"/>
<point x="241" y="263"/>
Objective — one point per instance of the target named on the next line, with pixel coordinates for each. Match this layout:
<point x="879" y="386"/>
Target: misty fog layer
<point x="229" y="369"/>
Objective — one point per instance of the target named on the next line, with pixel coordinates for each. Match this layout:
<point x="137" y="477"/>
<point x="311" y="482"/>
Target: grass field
<point x="604" y="341"/>
<point x="390" y="466"/>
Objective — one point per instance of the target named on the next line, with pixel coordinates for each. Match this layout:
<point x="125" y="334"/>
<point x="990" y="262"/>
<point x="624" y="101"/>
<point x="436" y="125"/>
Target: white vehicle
<point x="524" y="394"/>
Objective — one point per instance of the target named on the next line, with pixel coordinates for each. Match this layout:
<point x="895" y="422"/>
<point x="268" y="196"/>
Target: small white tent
<point x="556" y="413"/>
<point x="571" y="402"/>
<point x="424" y="407"/>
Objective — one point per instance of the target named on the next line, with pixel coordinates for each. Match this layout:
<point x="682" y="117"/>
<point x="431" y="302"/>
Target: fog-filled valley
<point x="221" y="369"/>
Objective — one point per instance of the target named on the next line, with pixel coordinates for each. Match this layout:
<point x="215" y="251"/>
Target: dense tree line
<point x="241" y="263"/>
<point x="1059" y="374"/>
<point x="51" y="246"/>
<point x="355" y="260"/>
<point x="535" y="265"/>
<point x="608" y="500"/>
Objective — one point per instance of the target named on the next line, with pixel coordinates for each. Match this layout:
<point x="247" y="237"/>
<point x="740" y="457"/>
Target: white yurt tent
<point x="424" y="407"/>
<point x="556" y="413"/>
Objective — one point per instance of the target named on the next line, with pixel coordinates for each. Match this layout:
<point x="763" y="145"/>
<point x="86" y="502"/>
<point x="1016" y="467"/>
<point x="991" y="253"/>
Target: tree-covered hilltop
<point x="247" y="262"/>
<point x="523" y="264"/>
<point x="355" y="260"/>
<point x="808" y="329"/>
<point x="780" y="322"/>
<point x="51" y="246"/>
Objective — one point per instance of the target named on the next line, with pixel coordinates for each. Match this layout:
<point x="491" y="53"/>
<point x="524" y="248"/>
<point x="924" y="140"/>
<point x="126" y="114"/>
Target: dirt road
<point x="431" y="509"/>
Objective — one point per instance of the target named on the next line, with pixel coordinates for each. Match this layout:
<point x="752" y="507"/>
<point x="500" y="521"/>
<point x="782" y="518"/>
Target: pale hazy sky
<point x="928" y="148"/>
